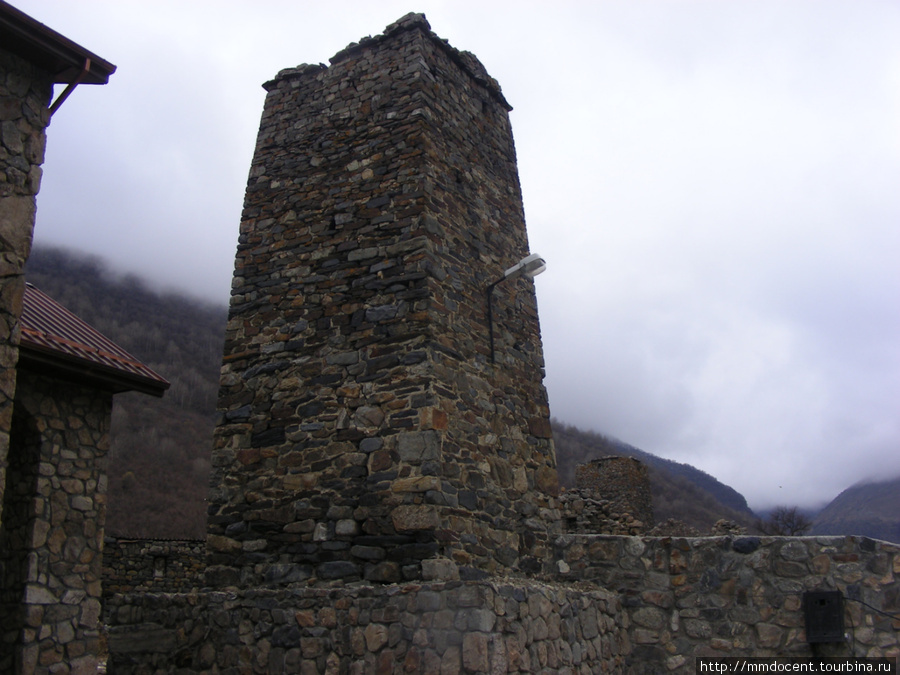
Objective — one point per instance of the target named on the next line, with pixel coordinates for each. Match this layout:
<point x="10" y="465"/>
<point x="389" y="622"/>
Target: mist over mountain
<point x="159" y="456"/>
<point x="159" y="448"/>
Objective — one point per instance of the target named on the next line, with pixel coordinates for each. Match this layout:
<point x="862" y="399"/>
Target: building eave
<point x="62" y="58"/>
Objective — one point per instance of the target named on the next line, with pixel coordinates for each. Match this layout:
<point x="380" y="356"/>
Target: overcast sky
<point x="715" y="186"/>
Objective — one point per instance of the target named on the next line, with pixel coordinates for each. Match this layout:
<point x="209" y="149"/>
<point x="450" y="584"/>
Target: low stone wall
<point x="450" y="627"/>
<point x="152" y="565"/>
<point x="726" y="596"/>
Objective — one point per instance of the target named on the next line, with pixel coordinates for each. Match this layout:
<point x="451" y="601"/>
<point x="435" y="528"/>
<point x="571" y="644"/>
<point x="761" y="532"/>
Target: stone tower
<point x="365" y="426"/>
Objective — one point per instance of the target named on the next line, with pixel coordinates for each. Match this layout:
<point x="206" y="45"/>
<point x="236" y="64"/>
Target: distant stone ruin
<point x="611" y="496"/>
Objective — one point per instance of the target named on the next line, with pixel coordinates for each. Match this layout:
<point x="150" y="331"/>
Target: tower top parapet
<point x="467" y="61"/>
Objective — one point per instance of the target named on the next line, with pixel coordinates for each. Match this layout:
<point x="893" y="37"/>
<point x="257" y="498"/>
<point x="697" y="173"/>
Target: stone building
<point x="54" y="506"/>
<point x="383" y="498"/>
<point x="366" y="423"/>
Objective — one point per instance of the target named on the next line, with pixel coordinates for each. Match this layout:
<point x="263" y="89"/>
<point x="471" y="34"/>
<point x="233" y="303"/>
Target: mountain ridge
<point x="869" y="509"/>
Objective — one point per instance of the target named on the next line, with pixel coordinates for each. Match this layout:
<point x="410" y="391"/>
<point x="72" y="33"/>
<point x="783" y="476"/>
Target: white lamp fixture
<point x="529" y="266"/>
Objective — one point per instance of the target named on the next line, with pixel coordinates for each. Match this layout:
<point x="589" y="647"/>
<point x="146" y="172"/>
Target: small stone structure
<point x="53" y="524"/>
<point x="624" y="481"/>
<point x="54" y="505"/>
<point x="611" y="496"/>
<point x="152" y="565"/>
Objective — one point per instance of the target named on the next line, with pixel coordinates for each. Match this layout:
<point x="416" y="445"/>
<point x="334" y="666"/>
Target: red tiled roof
<point x="53" y="336"/>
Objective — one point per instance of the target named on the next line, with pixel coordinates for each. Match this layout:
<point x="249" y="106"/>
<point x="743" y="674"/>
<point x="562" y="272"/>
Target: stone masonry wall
<point x="51" y="538"/>
<point x="448" y="628"/>
<point x="364" y="426"/>
<point x="24" y="97"/>
<point x="152" y="565"/>
<point x="725" y="596"/>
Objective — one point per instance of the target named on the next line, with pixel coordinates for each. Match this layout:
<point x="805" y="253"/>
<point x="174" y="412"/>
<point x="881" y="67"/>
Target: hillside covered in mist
<point x="159" y="448"/>
<point x="159" y="457"/>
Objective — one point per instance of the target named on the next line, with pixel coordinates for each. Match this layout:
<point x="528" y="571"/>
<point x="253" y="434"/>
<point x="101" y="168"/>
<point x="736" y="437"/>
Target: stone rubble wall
<point x="586" y="512"/>
<point x="152" y="565"/>
<point x="24" y="97"/>
<point x="445" y="628"/>
<point x="622" y="481"/>
<point x="726" y="596"/>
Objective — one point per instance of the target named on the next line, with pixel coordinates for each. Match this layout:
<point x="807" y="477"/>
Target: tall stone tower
<point x="365" y="424"/>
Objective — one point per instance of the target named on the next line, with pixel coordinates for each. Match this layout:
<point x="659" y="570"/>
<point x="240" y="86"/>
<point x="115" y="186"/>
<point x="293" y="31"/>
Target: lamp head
<point x="530" y="266"/>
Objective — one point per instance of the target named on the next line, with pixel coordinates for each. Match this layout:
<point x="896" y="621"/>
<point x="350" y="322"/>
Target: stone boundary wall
<point x="727" y="596"/>
<point x="152" y="565"/>
<point x="452" y="627"/>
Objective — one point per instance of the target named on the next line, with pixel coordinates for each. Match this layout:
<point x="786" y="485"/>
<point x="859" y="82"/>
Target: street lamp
<point x="530" y="266"/>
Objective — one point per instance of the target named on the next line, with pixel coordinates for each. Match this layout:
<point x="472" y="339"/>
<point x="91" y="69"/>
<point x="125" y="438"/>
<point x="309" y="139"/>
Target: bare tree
<point x="784" y="521"/>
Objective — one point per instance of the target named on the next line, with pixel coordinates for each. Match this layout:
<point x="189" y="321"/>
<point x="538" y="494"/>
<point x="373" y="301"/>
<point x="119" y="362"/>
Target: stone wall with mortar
<point x="24" y="98"/>
<point x="51" y="539"/>
<point x="726" y="596"/>
<point x="449" y="628"/>
<point x="364" y="425"/>
<point x="152" y="565"/>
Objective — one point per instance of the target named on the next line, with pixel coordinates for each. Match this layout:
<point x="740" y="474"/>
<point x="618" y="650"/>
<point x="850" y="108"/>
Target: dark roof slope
<point x="43" y="46"/>
<point x="56" y="341"/>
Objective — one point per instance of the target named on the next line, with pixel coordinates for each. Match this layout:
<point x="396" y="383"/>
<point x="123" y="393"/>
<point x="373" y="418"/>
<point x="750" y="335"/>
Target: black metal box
<point x="824" y="614"/>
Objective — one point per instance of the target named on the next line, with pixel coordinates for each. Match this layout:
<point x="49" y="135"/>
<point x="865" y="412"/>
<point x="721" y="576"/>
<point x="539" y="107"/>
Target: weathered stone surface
<point x="25" y="91"/>
<point x="624" y="484"/>
<point x="412" y="518"/>
<point x="159" y="567"/>
<point x="57" y="463"/>
<point x="699" y="596"/>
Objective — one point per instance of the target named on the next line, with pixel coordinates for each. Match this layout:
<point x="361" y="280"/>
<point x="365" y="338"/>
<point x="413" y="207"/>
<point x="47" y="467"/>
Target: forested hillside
<point x="868" y="509"/>
<point x="160" y="447"/>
